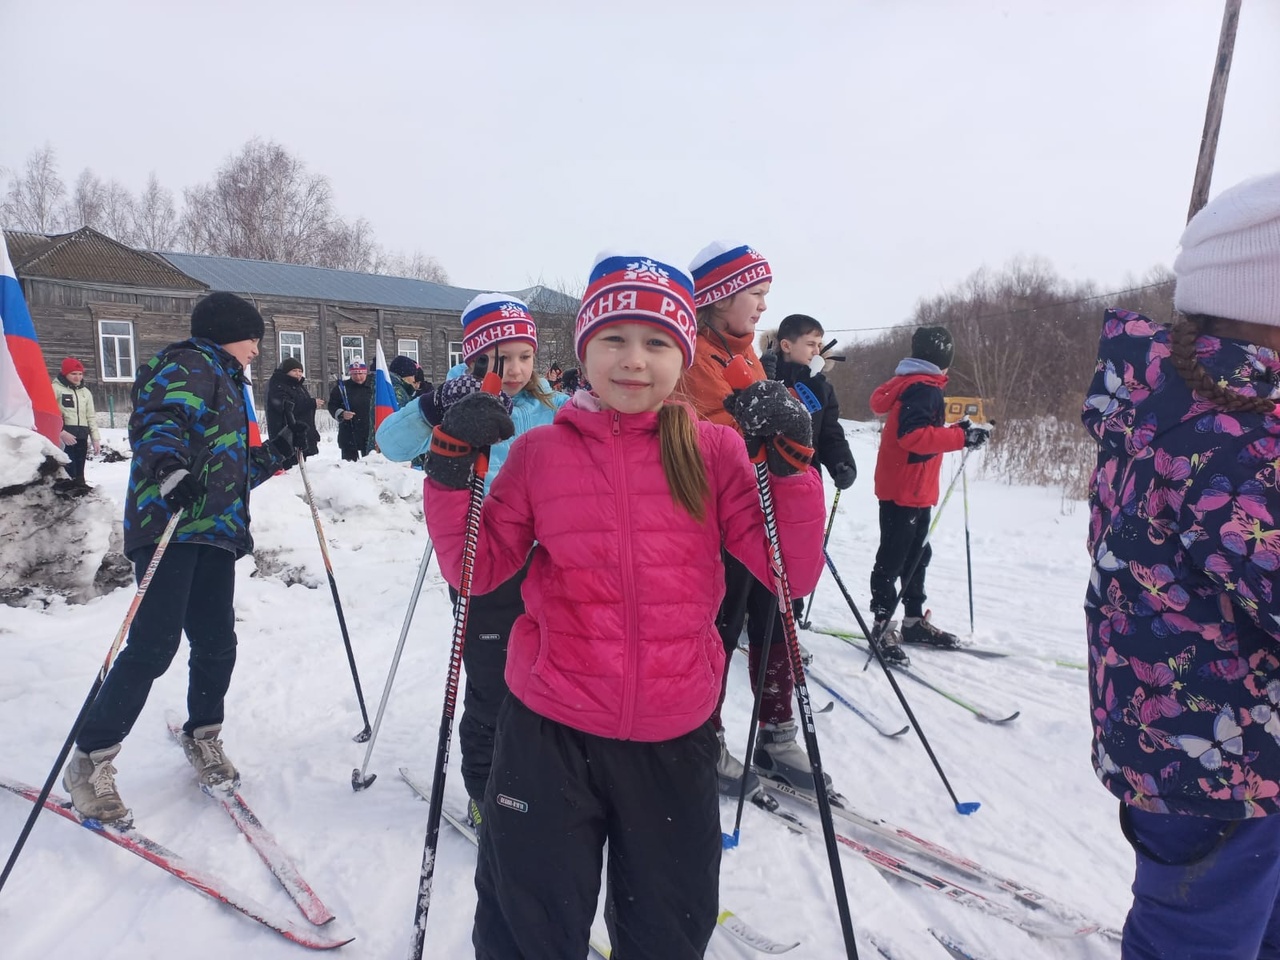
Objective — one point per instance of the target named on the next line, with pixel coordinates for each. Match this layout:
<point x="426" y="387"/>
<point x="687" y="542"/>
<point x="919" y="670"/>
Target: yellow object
<point x="960" y="407"/>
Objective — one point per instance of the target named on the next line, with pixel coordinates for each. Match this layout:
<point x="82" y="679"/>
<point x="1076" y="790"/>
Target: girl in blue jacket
<point x="500" y="328"/>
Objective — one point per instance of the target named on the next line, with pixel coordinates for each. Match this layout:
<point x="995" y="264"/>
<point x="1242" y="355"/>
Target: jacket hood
<point x="1137" y="394"/>
<point x="886" y="395"/>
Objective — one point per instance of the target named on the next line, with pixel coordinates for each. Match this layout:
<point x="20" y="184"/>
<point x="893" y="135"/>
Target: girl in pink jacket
<point x="615" y="666"/>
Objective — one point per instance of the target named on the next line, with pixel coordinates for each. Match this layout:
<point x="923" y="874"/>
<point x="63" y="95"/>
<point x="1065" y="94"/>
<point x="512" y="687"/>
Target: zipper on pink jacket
<point x="632" y="641"/>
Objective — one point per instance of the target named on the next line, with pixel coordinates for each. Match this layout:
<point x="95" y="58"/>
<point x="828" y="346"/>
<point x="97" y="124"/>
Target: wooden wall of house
<point x="66" y="317"/>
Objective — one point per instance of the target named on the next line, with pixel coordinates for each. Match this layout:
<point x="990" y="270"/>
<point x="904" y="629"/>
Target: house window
<point x="291" y="345"/>
<point x="407" y="348"/>
<point x="115" y="340"/>
<point x="352" y="349"/>
<point x="455" y="352"/>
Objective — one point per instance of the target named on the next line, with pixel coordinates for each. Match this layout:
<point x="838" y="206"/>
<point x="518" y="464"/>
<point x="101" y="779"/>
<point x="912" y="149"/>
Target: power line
<point x="1009" y="313"/>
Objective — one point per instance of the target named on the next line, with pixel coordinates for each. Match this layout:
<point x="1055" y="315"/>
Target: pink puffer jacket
<point x="618" y="638"/>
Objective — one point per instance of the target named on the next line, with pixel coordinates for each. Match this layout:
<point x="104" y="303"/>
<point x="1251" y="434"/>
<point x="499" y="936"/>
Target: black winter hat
<point x="403" y="367"/>
<point x="290" y="363"/>
<point x="933" y="345"/>
<point x="226" y="318"/>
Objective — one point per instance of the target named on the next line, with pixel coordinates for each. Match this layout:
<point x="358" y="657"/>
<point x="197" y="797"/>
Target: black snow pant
<point x="193" y="589"/>
<point x="350" y="453"/>
<point x="77" y="452"/>
<point x="903" y="531"/>
<point x="484" y="654"/>
<point x="555" y="797"/>
<point x="761" y="606"/>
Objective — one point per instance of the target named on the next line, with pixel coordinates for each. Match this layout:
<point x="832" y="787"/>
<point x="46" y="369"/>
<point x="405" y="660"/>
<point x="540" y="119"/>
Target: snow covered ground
<point x="292" y="712"/>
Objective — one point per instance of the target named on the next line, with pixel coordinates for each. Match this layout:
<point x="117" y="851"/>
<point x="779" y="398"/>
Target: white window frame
<point x="352" y="348"/>
<point x="407" y="348"/>
<point x="117" y="361"/>
<point x="296" y="350"/>
<point x="455" y="353"/>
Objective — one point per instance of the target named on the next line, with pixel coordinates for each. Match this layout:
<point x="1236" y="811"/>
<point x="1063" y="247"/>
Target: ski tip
<point x="968" y="807"/>
<point x="729" y="841"/>
<point x="358" y="782"/>
<point x="363" y="736"/>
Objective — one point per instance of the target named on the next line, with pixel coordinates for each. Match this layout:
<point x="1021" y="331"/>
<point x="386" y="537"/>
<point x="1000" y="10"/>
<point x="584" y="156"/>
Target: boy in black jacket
<point x="799" y="342"/>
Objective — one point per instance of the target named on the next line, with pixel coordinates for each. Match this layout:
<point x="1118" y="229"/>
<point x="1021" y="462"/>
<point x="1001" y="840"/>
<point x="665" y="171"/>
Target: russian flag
<point x="251" y="415"/>
<point x="26" y="392"/>
<point x="384" y="395"/>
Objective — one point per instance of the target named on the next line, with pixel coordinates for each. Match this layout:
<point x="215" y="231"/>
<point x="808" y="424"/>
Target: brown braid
<point x="1182" y="339"/>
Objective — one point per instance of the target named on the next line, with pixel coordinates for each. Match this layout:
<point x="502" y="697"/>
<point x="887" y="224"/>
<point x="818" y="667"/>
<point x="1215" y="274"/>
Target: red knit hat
<point x="72" y="365"/>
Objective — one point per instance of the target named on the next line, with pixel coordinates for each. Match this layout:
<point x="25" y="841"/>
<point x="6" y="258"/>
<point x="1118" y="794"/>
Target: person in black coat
<point x="286" y="393"/>
<point x="351" y="404"/>
<point x="799" y="342"/>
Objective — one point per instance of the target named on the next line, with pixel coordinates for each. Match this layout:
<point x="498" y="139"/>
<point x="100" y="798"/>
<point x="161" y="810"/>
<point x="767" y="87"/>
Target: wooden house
<point x="112" y="307"/>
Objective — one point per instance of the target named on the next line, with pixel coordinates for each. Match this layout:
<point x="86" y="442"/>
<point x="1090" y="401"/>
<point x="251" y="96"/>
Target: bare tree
<point x="34" y="200"/>
<point x="264" y="205"/>
<point x="155" y="218"/>
<point x="417" y="265"/>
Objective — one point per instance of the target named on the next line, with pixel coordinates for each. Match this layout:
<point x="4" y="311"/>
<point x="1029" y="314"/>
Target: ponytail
<point x="1182" y="351"/>
<point x="682" y="462"/>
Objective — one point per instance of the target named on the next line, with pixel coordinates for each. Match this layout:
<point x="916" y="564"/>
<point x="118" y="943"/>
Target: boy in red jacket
<point x="907" y="467"/>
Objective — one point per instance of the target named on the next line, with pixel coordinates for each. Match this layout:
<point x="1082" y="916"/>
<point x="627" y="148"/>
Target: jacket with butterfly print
<point x="1184" y="595"/>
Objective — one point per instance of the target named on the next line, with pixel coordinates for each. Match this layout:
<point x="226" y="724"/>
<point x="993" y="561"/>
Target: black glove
<point x="974" y="436"/>
<point x="844" y="474"/>
<point x="435" y="406"/>
<point x="477" y="420"/>
<point x="181" y="490"/>
<point x="767" y="412"/>
<point x="769" y="364"/>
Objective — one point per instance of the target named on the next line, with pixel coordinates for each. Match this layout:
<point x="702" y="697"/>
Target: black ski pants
<point x="484" y="654"/>
<point x="556" y="795"/>
<point x="77" y="451"/>
<point x="193" y="589"/>
<point x="760" y="606"/>
<point x="903" y="531"/>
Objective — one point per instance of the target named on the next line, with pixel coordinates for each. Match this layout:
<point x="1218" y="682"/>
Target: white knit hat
<point x="1229" y="266"/>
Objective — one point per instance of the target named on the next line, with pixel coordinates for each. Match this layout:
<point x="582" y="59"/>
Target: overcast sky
<point x="875" y="152"/>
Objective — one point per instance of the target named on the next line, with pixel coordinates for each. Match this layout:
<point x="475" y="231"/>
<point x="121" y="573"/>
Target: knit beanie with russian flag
<point x="633" y="288"/>
<point x="722" y="269"/>
<point x="494" y="318"/>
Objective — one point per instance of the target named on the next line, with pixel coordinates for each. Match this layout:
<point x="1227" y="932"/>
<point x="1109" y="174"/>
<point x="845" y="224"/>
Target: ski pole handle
<point x="492" y="385"/>
<point x="738" y="375"/>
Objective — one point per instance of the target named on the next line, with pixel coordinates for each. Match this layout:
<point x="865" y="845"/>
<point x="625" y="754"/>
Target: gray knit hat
<point x="1230" y="261"/>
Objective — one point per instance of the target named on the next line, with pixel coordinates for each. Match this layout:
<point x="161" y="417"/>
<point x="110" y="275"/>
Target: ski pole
<point x="161" y="545"/>
<point x="831" y="522"/>
<point x="492" y="384"/>
<point x="358" y="779"/>
<point x="729" y="841"/>
<point x="968" y="551"/>
<point x="739" y="378"/>
<point x="367" y="732"/>
<point x="966" y="807"/>
<point x="1213" y="111"/>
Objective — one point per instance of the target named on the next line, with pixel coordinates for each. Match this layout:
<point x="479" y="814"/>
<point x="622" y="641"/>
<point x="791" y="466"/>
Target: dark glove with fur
<point x="768" y="413"/>
<point x="477" y="420"/>
<point x="974" y="436"/>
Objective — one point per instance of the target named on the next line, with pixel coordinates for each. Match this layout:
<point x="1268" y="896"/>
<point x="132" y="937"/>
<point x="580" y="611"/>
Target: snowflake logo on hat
<point x="754" y="255"/>
<point x="648" y="270"/>
<point x="510" y="309"/>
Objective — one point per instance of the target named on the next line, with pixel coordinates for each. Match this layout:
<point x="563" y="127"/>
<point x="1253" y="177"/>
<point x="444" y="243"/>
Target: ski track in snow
<point x="291" y="714"/>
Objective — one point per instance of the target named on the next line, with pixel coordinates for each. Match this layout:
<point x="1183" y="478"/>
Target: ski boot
<point x="922" y="630"/>
<point x="474" y="817"/>
<point x="91" y="780"/>
<point x="779" y="758"/>
<point x="886" y="638"/>
<point x="205" y="752"/>
<point x="729" y="775"/>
